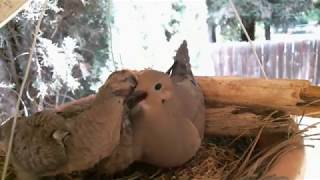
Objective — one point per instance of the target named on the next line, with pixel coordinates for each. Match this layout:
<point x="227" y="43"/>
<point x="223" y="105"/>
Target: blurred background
<point x="83" y="41"/>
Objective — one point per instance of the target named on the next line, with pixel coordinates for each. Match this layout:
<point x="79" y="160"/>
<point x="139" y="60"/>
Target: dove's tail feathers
<point x="181" y="65"/>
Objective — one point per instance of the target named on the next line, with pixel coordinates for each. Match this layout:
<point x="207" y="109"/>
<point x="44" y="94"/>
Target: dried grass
<point x="219" y="158"/>
<point x="10" y="172"/>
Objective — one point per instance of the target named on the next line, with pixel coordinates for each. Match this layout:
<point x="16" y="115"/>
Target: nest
<point x="220" y="157"/>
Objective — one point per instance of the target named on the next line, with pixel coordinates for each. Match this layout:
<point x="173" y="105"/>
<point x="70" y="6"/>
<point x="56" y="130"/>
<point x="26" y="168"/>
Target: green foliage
<point x="172" y="27"/>
<point x="314" y="13"/>
<point x="230" y="30"/>
<point x="98" y="18"/>
<point x="221" y="9"/>
<point x="71" y="54"/>
<point x="279" y="13"/>
<point x="89" y="24"/>
<point x="178" y="6"/>
<point x="221" y="13"/>
<point x="287" y="13"/>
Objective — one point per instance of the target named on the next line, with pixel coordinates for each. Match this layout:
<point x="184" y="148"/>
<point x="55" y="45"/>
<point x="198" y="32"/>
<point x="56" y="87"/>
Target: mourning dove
<point x="186" y="85"/>
<point x="78" y="139"/>
<point x="32" y="155"/>
<point x="168" y="124"/>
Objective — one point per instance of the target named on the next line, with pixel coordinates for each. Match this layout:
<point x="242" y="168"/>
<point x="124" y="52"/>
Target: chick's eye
<point x="158" y="86"/>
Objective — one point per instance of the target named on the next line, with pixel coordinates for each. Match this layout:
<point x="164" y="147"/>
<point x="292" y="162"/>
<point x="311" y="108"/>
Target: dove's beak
<point x="135" y="97"/>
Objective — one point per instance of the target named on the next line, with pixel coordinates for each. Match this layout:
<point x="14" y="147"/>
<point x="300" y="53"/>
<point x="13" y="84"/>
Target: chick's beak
<point x="135" y="97"/>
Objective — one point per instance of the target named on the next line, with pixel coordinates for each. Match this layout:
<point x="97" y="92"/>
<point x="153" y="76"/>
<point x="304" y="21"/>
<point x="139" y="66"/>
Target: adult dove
<point x="56" y="142"/>
<point x="168" y="124"/>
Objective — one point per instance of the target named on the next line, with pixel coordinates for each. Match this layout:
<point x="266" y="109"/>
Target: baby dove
<point x="53" y="142"/>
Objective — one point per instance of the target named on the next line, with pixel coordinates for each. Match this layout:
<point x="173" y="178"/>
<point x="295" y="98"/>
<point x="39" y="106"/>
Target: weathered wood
<point x="236" y="121"/>
<point x="312" y="91"/>
<point x="10" y="8"/>
<point x="296" y="97"/>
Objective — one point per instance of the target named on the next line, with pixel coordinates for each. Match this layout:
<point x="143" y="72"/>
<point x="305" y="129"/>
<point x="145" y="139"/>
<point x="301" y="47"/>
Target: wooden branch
<point x="12" y="65"/>
<point x="235" y="121"/>
<point x="296" y="97"/>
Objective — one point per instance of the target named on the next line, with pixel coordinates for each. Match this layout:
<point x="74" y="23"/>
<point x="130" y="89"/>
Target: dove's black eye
<point x="158" y="86"/>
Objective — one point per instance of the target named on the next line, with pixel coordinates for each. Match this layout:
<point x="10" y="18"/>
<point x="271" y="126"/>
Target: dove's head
<point x="119" y="83"/>
<point x="157" y="87"/>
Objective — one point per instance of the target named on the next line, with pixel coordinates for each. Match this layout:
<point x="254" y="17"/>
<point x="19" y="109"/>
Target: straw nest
<point x="219" y="158"/>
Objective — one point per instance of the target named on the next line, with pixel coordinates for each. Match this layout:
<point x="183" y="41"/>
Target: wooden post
<point x="9" y="9"/>
<point x="297" y="97"/>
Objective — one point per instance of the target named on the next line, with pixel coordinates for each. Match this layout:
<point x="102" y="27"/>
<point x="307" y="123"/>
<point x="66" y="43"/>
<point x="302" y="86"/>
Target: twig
<point x="238" y="137"/>
<point x="248" y="156"/>
<point x="37" y="30"/>
<point x="301" y="119"/>
<point x="312" y="139"/>
<point x="22" y="54"/>
<point x="312" y="102"/>
<point x="14" y="35"/>
<point x="65" y="96"/>
<point x="245" y="157"/>
<point x="59" y="20"/>
<point x="311" y="135"/>
<point x="57" y="98"/>
<point x="8" y="72"/>
<point x="33" y="102"/>
<point x="278" y="155"/>
<point x="13" y="69"/>
<point x="309" y="146"/>
<point x="22" y="102"/>
<point x="314" y="125"/>
<point x="249" y="39"/>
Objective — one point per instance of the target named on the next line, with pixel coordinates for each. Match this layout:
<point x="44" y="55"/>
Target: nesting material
<point x="220" y="157"/>
<point x="223" y="157"/>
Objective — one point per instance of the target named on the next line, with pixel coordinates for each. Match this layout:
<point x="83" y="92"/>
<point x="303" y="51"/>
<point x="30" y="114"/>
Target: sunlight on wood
<point x="296" y="97"/>
<point x="9" y="9"/>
